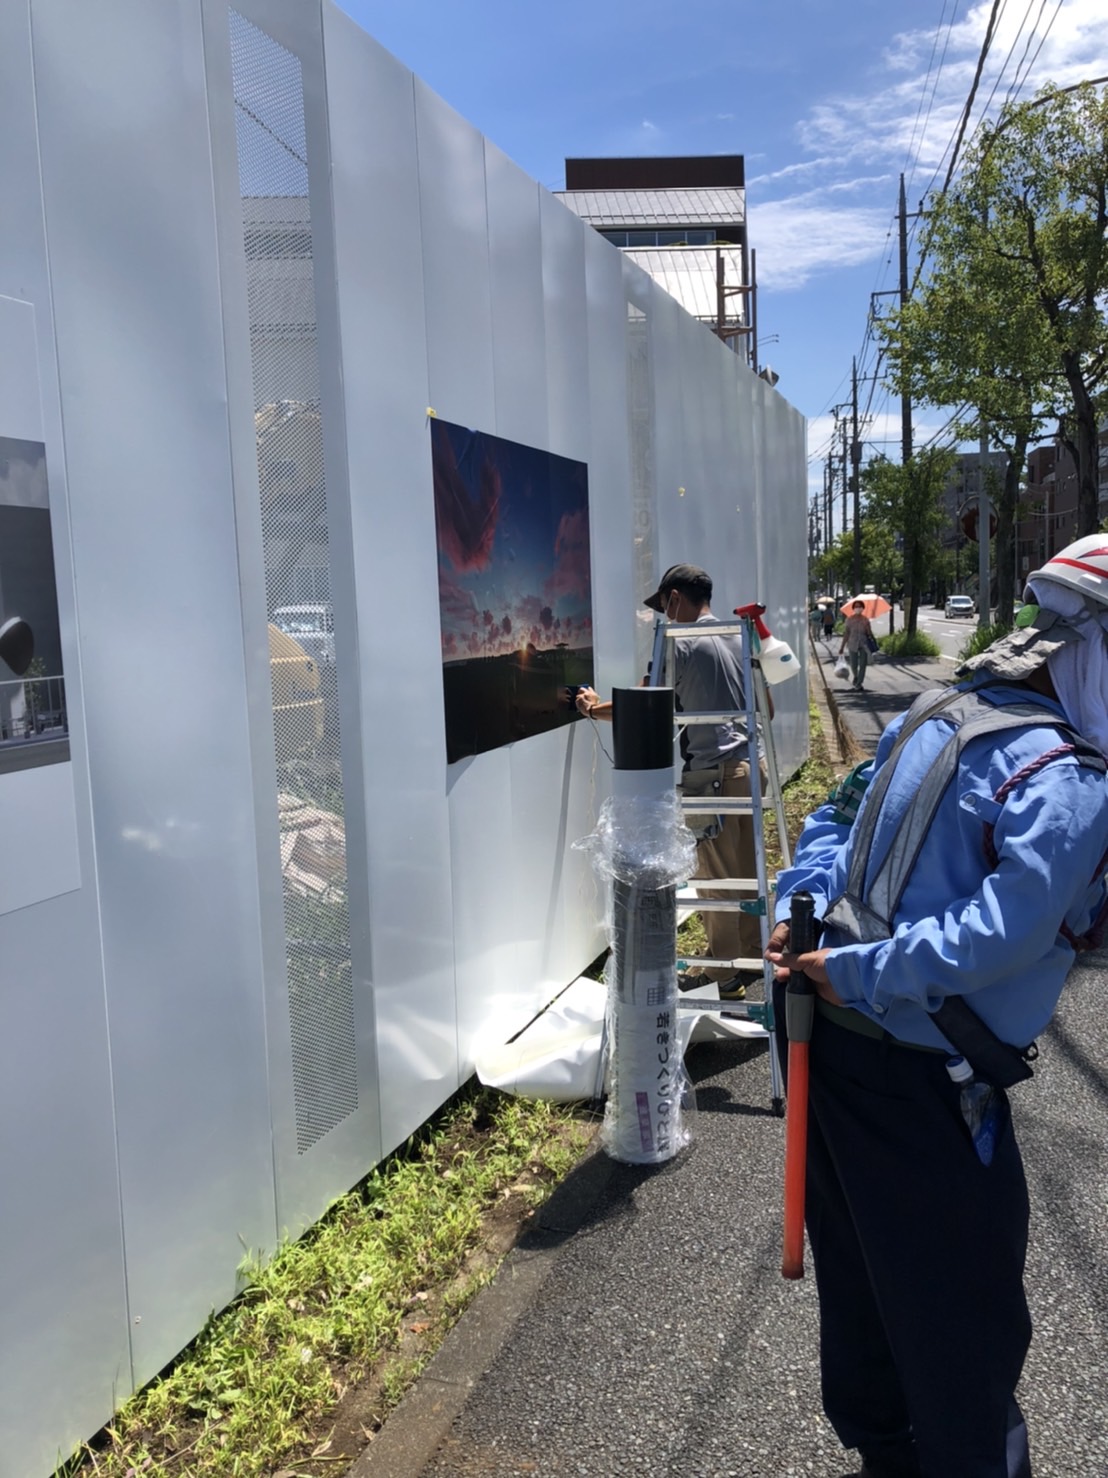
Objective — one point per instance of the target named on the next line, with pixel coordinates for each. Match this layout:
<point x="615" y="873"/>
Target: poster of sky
<point x="515" y="595"/>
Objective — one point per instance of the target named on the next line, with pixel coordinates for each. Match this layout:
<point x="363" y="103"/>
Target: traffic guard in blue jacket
<point x="952" y="904"/>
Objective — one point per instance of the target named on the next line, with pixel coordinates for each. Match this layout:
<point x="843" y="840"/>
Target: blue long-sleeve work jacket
<point x="966" y="927"/>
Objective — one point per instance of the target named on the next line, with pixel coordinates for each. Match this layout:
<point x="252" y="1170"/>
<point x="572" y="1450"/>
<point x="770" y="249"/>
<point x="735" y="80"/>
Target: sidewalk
<point x="643" y="1327"/>
<point x="890" y="688"/>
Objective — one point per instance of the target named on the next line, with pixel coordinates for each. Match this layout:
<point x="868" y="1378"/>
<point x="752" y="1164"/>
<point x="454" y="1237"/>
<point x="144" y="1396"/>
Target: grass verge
<point x="370" y="1290"/>
<point x="982" y="637"/>
<point x="903" y="644"/>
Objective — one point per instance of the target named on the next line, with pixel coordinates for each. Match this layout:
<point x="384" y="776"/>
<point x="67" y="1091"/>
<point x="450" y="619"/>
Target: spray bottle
<point x="774" y="656"/>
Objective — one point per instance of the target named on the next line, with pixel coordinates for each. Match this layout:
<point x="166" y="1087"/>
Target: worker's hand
<point x="812" y="964"/>
<point x="587" y="698"/>
<point x="779" y="939"/>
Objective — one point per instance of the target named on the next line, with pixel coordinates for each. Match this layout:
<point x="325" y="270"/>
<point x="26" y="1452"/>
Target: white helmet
<point x="1082" y="565"/>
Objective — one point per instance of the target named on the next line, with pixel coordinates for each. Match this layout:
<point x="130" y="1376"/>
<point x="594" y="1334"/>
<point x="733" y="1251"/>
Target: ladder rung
<point x="703" y="1004"/>
<point x="693" y="883"/>
<point x="718" y="805"/>
<point x="730" y="905"/>
<point x="703" y="962"/>
<point x="697" y="628"/>
<point x="710" y="716"/>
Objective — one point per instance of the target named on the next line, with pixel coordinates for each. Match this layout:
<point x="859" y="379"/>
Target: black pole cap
<point x="642" y="725"/>
<point x="17" y="644"/>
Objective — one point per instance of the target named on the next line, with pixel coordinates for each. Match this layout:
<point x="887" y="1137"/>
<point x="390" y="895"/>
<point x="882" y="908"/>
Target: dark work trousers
<point x="919" y="1253"/>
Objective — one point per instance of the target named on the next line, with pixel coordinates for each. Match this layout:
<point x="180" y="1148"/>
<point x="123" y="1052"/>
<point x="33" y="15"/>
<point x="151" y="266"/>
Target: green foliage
<point x="881" y="560"/>
<point x="902" y="644"/>
<point x="907" y="501"/>
<point x="1011" y="317"/>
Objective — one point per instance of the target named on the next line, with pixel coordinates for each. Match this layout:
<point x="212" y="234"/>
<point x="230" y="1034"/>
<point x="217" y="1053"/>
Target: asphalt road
<point x="644" y="1328"/>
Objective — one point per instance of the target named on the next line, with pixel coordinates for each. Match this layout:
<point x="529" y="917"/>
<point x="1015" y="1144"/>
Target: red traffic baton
<point x="800" y="1001"/>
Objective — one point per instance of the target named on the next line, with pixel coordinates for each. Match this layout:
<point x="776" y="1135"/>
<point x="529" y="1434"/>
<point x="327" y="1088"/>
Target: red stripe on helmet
<point x="1079" y="564"/>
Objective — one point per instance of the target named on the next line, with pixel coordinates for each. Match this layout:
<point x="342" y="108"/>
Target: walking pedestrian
<point x="857" y="636"/>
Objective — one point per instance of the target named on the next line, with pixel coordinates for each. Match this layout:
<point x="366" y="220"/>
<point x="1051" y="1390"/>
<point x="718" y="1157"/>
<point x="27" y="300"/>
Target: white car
<point x="313" y="626"/>
<point x="958" y="606"/>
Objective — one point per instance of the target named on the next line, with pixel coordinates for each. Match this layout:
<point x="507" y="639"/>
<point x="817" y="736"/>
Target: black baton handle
<point x="800" y="995"/>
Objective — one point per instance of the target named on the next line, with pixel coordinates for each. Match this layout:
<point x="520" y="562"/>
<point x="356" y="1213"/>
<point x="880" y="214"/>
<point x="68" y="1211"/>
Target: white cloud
<point x="805" y="166"/>
<point x="887" y="121"/>
<point x="906" y="120"/>
<point x="806" y="235"/>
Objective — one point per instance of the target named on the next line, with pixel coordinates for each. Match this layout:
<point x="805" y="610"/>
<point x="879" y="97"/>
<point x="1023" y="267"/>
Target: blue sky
<point x="829" y="104"/>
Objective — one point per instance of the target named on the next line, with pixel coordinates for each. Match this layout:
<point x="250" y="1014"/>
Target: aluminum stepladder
<point x="758" y="903"/>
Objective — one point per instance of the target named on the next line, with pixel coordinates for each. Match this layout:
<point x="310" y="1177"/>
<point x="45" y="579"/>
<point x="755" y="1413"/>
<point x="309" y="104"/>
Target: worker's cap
<point x="688" y="579"/>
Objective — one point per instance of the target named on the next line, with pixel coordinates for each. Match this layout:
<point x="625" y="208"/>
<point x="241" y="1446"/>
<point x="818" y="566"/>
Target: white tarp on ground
<point x="561" y="1054"/>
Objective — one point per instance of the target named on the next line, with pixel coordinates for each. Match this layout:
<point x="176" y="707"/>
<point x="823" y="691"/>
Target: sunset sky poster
<point x="515" y="594"/>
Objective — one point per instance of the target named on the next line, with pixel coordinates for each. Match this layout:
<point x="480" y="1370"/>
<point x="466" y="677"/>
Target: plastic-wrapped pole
<point x="648" y="854"/>
<point x="800" y="1003"/>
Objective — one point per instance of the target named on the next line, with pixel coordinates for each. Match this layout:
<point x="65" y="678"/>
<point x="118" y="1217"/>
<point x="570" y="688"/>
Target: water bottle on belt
<point x="980" y="1108"/>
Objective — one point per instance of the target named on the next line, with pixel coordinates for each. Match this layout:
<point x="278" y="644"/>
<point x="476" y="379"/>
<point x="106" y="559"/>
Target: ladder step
<point x="736" y="1009"/>
<point x="695" y="628"/>
<point x="737" y="883"/>
<point x="710" y="716"/>
<point x="754" y="906"/>
<point x="705" y="962"/>
<point x="718" y="805"/>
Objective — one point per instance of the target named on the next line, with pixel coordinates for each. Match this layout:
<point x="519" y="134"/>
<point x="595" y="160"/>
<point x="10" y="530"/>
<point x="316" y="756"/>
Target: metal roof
<point x="688" y="273"/>
<point x="632" y="208"/>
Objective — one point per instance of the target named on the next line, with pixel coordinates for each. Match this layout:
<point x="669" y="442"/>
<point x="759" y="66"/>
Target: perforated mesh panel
<point x="640" y="423"/>
<point x="277" y="241"/>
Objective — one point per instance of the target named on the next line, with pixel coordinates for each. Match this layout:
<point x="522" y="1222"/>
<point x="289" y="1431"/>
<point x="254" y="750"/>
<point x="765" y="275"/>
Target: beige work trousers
<point x="730" y="855"/>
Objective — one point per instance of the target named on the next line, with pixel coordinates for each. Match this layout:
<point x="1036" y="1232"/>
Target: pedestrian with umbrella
<point x="858" y="641"/>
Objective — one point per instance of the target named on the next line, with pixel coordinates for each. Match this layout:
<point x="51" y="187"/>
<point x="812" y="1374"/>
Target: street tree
<point x="1011" y="318"/>
<point x="906" y="499"/>
<point x="881" y="560"/>
<point x="972" y="334"/>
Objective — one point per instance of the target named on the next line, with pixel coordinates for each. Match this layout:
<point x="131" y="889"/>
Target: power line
<point x="1040" y="46"/>
<point x="910" y="161"/>
<point x="972" y="92"/>
<point x="1015" y="83"/>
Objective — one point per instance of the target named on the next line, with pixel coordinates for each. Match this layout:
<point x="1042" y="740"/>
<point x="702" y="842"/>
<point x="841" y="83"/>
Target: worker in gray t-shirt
<point x="715" y="762"/>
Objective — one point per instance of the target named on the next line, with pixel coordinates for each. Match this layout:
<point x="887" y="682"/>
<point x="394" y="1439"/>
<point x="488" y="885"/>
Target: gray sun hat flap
<point x="1021" y="652"/>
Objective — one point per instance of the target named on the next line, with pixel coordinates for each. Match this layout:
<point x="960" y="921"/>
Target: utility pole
<point x="984" y="530"/>
<point x="855" y="459"/>
<point x="846" y="476"/>
<point x="906" y="426"/>
<point x="984" y="520"/>
<point x="905" y="399"/>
